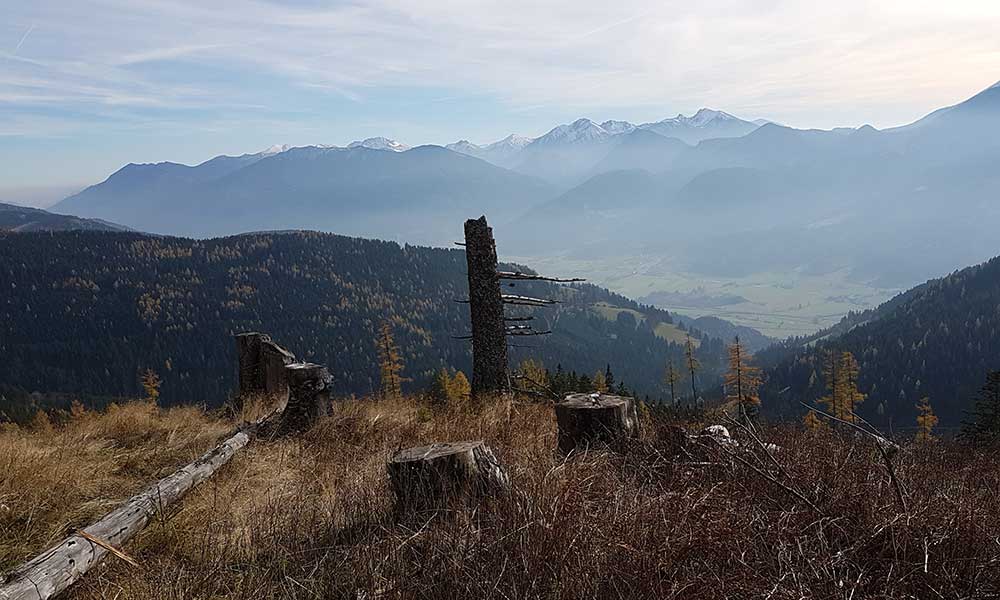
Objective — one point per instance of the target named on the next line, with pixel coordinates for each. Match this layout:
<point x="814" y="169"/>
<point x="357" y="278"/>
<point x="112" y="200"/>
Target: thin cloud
<point x="23" y="37"/>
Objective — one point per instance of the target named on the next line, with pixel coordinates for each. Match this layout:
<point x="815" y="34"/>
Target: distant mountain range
<point x="710" y="194"/>
<point x="20" y="219"/>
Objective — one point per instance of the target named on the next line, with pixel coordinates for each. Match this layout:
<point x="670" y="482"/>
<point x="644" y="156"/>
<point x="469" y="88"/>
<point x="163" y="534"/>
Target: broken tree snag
<point x="60" y="566"/>
<point x="586" y="419"/>
<point x="308" y="397"/>
<point x="261" y="364"/>
<point x="489" y="343"/>
<point x="430" y="475"/>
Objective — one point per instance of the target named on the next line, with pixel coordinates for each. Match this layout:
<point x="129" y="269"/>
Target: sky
<point x="87" y="86"/>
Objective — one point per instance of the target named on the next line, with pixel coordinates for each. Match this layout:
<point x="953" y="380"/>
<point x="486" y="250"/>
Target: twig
<point x="107" y="546"/>
<point x="897" y="486"/>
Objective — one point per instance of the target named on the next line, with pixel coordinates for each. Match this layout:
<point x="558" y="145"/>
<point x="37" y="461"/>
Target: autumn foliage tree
<point x="448" y="388"/>
<point x="150" y="384"/>
<point x="742" y="381"/>
<point x="926" y="420"/>
<point x="840" y="373"/>
<point x="390" y="363"/>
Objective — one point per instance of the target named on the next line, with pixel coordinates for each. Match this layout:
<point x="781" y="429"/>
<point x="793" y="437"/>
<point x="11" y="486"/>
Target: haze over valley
<point x="780" y="229"/>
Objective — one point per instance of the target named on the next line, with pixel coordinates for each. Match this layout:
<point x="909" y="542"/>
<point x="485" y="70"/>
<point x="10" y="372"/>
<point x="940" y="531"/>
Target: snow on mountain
<point x="380" y="143"/>
<point x="616" y="127"/>
<point x="512" y="141"/>
<point x="581" y="130"/>
<point x="275" y="149"/>
<point x="702" y="125"/>
<point x="464" y="147"/>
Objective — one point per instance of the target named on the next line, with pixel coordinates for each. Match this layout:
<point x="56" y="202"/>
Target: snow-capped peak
<point x="464" y="146"/>
<point x="513" y="141"/>
<point x="702" y="118"/>
<point x="616" y="127"/>
<point x="579" y="130"/>
<point x="276" y="149"/>
<point x="379" y="143"/>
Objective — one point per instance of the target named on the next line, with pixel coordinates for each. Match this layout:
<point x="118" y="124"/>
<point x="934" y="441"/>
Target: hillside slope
<point x="936" y="340"/>
<point x="87" y="312"/>
<point x="21" y="219"/>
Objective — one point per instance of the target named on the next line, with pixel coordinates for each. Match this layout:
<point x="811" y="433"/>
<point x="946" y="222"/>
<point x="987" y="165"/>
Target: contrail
<point x="24" y="37"/>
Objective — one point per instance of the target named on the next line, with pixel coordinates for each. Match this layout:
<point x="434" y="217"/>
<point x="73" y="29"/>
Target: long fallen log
<point x="60" y="566"/>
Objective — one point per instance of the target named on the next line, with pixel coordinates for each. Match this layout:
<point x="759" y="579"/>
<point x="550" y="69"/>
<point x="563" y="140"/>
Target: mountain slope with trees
<point x="89" y="313"/>
<point x="938" y="340"/>
<point x="22" y="219"/>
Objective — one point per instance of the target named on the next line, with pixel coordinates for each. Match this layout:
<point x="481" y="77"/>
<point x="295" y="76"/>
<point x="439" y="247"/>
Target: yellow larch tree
<point x="390" y="363"/>
<point x="926" y="420"/>
<point x="742" y="381"/>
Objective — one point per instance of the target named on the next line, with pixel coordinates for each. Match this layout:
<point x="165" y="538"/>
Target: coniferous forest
<point x="85" y="314"/>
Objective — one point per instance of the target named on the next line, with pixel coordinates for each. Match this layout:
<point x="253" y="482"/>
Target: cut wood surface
<point x="585" y="419"/>
<point x="57" y="568"/>
<point x="427" y="475"/>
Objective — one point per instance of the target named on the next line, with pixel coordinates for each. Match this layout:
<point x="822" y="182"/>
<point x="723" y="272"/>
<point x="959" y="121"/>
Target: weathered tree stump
<point x="308" y="397"/>
<point x="430" y="475"/>
<point x="261" y="367"/>
<point x="586" y="419"/>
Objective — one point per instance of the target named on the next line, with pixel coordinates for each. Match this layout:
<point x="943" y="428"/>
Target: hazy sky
<point x="89" y="85"/>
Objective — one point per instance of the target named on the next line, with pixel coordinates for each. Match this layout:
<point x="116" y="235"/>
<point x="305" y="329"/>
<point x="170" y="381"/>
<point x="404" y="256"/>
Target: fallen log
<point x="60" y="566"/>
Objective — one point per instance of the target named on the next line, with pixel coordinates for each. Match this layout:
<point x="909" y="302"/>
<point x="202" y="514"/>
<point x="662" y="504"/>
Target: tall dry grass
<point x="313" y="517"/>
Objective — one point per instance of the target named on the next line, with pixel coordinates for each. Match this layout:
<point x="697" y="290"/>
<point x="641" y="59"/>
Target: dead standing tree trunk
<point x="489" y="336"/>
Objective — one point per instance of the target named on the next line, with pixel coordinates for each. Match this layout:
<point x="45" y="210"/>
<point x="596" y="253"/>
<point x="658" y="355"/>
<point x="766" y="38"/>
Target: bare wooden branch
<point x="527" y="333"/>
<point x="526" y="300"/>
<point x="515" y="319"/>
<point x="529" y="277"/>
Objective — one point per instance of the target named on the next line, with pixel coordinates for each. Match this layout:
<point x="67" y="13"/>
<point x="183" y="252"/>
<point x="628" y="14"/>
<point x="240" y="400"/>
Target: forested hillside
<point x="86" y="312"/>
<point x="937" y="340"/>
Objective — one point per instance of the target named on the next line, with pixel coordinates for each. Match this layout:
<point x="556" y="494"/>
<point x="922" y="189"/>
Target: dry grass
<point x="313" y="517"/>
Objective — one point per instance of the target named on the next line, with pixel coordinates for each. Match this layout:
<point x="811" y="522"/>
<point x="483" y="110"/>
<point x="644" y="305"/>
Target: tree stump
<point x="261" y="367"/>
<point x="586" y="419"/>
<point x="430" y="475"/>
<point x="308" y="397"/>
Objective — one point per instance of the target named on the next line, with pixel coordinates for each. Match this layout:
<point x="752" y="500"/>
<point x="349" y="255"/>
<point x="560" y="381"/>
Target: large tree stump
<point x="430" y="475"/>
<point x="586" y="419"/>
<point x="489" y="335"/>
<point x="261" y="367"/>
<point x="308" y="397"/>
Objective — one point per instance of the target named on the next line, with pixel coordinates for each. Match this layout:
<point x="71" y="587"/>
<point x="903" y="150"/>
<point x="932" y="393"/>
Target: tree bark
<point x="489" y="342"/>
<point x="261" y="367"/>
<point x="60" y="566"/>
<point x="430" y="475"/>
<point x="308" y="397"/>
<point x="587" y="419"/>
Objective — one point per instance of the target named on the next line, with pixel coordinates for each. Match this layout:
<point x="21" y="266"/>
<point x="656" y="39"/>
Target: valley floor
<point x="313" y="517"/>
